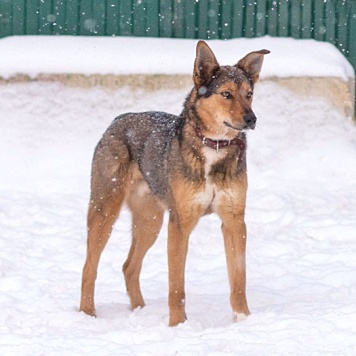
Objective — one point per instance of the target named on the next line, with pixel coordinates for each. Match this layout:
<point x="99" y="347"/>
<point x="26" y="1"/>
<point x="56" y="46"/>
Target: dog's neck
<point x="217" y="144"/>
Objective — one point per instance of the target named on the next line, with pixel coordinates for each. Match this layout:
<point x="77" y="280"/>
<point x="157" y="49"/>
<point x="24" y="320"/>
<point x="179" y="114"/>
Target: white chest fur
<point x="210" y="195"/>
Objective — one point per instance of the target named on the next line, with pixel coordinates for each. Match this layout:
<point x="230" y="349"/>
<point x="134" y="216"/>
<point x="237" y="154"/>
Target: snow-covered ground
<point x="301" y="218"/>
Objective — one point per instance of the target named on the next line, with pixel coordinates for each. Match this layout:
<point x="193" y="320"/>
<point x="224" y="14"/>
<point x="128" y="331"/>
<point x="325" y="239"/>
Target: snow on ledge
<point x="34" y="55"/>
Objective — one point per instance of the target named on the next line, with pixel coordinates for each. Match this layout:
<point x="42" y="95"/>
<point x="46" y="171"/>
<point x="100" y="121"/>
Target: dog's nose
<point x="250" y="120"/>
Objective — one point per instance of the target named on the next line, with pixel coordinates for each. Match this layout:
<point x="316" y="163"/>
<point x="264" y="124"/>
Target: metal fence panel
<point x="325" y="20"/>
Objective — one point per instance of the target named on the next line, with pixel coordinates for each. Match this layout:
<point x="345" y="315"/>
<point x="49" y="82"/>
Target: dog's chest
<point x="211" y="157"/>
<point x="212" y="193"/>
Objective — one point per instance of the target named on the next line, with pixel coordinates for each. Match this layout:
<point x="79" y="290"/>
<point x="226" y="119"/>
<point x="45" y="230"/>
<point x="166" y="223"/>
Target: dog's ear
<point x="205" y="65"/>
<point x="251" y="64"/>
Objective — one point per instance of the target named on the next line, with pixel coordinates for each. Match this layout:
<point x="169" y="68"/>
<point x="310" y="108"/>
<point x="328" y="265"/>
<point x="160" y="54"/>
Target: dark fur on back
<point x="148" y="137"/>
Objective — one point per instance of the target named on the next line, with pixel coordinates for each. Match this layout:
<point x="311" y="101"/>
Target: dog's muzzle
<point x="250" y="121"/>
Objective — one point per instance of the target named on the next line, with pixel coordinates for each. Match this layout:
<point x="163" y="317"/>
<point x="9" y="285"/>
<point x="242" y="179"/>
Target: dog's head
<point x="224" y="93"/>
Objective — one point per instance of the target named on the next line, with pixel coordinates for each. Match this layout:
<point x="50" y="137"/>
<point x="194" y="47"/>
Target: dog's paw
<point x="238" y="317"/>
<point x="88" y="311"/>
<point x="177" y="318"/>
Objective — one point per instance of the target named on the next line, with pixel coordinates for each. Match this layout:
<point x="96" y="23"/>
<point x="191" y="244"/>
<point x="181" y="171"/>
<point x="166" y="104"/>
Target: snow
<point x="33" y="55"/>
<point x="300" y="216"/>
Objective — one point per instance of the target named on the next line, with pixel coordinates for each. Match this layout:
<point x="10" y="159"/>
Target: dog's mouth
<point x="239" y="128"/>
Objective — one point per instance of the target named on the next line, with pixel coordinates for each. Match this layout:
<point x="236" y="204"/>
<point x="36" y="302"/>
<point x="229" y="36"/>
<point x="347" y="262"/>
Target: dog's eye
<point x="249" y="95"/>
<point x="226" y="95"/>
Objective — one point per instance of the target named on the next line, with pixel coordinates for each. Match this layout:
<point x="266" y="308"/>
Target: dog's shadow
<point x="155" y="312"/>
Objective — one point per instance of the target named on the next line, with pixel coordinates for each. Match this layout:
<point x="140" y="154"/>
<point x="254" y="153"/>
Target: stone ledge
<point x="340" y="93"/>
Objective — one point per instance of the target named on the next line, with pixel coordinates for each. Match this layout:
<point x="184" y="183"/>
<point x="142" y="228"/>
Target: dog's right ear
<point x="205" y="65"/>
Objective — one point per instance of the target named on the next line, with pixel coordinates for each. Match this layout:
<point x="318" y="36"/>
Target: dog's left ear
<point x="251" y="64"/>
<point x="205" y="65"/>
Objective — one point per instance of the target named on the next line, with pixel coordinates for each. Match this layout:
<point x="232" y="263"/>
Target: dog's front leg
<point x="179" y="228"/>
<point x="177" y="253"/>
<point x="234" y="232"/>
<point x="231" y="209"/>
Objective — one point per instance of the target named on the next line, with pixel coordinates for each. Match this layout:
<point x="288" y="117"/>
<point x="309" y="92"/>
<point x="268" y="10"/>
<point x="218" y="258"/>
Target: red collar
<point x="217" y="144"/>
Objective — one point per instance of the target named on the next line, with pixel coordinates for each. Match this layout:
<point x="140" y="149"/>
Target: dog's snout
<point x="250" y="120"/>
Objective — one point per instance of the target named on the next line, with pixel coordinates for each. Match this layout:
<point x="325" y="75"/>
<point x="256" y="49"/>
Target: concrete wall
<point x="339" y="92"/>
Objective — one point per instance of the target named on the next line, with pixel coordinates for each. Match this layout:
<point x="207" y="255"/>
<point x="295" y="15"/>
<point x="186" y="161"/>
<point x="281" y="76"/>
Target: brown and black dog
<point x="193" y="164"/>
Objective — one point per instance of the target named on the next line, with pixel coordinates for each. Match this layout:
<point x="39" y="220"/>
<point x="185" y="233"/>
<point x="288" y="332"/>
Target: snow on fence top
<point x="34" y="55"/>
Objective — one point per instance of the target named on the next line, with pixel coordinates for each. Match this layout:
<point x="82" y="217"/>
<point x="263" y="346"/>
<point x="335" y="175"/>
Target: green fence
<point x="325" y="20"/>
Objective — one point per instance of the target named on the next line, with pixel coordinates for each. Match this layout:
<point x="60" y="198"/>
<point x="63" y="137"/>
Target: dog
<point x="192" y="164"/>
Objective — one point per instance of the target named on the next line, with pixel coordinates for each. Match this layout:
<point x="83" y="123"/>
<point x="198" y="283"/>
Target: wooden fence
<point x="324" y="20"/>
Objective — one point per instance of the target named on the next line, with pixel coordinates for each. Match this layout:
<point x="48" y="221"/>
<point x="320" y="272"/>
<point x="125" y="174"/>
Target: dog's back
<point x="146" y="138"/>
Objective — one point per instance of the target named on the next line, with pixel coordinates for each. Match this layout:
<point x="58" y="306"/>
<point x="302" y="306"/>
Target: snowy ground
<point x="300" y="215"/>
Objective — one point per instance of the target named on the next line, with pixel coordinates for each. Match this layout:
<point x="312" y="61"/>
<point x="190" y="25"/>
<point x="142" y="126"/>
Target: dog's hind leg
<point x="108" y="191"/>
<point x="147" y="218"/>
